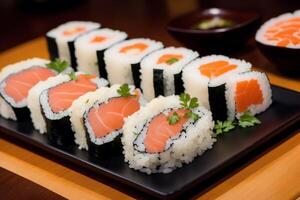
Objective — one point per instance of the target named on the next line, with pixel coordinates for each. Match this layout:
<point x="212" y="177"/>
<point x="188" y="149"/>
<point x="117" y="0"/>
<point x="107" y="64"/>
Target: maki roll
<point x="15" y="82"/>
<point x="97" y="118"/>
<point x="50" y="103"/>
<point x="161" y="71"/>
<point x="248" y="91"/>
<point x="281" y="31"/>
<point x="60" y="40"/>
<point x="163" y="135"/>
<point x="205" y="79"/>
<point x="123" y="60"/>
<point x="89" y="49"/>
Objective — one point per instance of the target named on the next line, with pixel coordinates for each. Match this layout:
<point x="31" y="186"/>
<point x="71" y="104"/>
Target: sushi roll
<point x="15" y="82"/>
<point x="60" y="40"/>
<point x="123" y="60"/>
<point x="153" y="143"/>
<point x="161" y="71"/>
<point x="50" y="103"/>
<point x="249" y="91"/>
<point x="97" y="118"/>
<point x="281" y="31"/>
<point x="205" y="79"/>
<point x="89" y="50"/>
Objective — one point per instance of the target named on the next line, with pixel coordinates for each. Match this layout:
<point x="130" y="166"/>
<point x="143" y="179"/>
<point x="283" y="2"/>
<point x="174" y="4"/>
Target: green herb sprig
<point x="223" y="127"/>
<point x="174" y="118"/>
<point x="124" y="90"/>
<point x="246" y="120"/>
<point x="72" y="76"/>
<point x="186" y="103"/>
<point x="58" y="65"/>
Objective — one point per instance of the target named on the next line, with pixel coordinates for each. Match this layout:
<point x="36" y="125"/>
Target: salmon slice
<point x="140" y="47"/>
<point x="73" y="31"/>
<point x="110" y="116"/>
<point x="169" y="58"/>
<point x="247" y="93"/>
<point x="285" y="32"/>
<point x="62" y="96"/>
<point x="216" y="68"/>
<point x="98" y="39"/>
<point x="283" y="43"/>
<point x="160" y="131"/>
<point x="17" y="85"/>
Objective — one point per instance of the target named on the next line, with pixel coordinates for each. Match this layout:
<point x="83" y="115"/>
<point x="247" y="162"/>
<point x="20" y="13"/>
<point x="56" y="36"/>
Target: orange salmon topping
<point x="98" y="39"/>
<point x="110" y="116"/>
<point x="18" y="84"/>
<point x="285" y="32"/>
<point x="216" y="68"/>
<point x="160" y="131"/>
<point x="73" y="31"/>
<point x="247" y="93"/>
<point x="62" y="96"/>
<point x="137" y="46"/>
<point x="169" y="58"/>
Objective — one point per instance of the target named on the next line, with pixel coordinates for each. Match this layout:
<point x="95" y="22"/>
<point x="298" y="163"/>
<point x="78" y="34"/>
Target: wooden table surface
<point x="275" y="175"/>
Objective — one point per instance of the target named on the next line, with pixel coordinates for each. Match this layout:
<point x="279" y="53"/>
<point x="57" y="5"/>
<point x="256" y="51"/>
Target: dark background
<point x="22" y="20"/>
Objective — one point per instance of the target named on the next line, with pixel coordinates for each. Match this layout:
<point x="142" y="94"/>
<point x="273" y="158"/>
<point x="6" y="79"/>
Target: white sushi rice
<point x="5" y="108"/>
<point x="62" y="40"/>
<point x="118" y="64"/>
<point x="78" y="109"/>
<point x="83" y="104"/>
<point x="197" y="138"/>
<point x="260" y="34"/>
<point x="150" y="62"/>
<point x="265" y="88"/>
<point x="85" y="50"/>
<point x="38" y="98"/>
<point x="196" y="84"/>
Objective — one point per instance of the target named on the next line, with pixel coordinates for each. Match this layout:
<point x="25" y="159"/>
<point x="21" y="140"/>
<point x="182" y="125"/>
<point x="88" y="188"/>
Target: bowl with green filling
<point x="214" y="30"/>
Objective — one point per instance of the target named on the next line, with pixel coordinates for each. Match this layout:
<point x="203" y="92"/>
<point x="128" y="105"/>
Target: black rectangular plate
<point x="231" y="147"/>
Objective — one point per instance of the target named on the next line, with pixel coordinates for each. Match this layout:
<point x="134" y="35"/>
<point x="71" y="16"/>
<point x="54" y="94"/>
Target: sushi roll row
<point x="75" y="107"/>
<point x="16" y="80"/>
<point x="227" y="86"/>
<point x="105" y="52"/>
<point x="50" y="102"/>
<point x="156" y="70"/>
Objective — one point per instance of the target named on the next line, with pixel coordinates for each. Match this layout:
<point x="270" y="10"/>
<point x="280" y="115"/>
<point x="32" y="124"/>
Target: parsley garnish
<point x="171" y="61"/>
<point x="124" y="90"/>
<point x="58" y="65"/>
<point x="223" y="127"/>
<point x="192" y="115"/>
<point x="174" y="118"/>
<point x="247" y="119"/>
<point x="72" y="76"/>
<point x="189" y="103"/>
<point x="186" y="103"/>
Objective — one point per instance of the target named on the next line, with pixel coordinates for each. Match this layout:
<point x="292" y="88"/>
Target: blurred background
<point x="23" y="20"/>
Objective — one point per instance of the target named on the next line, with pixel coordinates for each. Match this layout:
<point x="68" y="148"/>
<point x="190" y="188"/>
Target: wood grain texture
<point x="12" y="184"/>
<point x="273" y="176"/>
